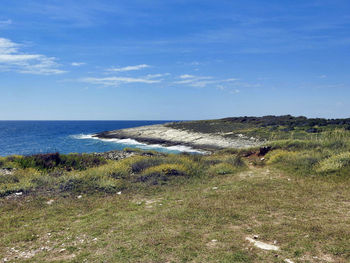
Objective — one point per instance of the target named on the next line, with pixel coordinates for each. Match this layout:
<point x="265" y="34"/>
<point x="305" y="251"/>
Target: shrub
<point x="80" y="161"/>
<point x="162" y="173"/>
<point x="301" y="163"/>
<point x="143" y="163"/>
<point x="334" y="163"/>
<point x="50" y="161"/>
<point x="193" y="168"/>
<point x="120" y="170"/>
<point x="20" y="181"/>
<point x="92" y="181"/>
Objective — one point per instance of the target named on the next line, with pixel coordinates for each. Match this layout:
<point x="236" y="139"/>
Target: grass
<point x="183" y="208"/>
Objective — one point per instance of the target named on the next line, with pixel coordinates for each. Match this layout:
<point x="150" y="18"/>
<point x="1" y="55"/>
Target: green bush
<point x="334" y="163"/>
<point x="301" y="163"/>
<point x="161" y="173"/>
<point x="143" y="163"/>
<point x="50" y="161"/>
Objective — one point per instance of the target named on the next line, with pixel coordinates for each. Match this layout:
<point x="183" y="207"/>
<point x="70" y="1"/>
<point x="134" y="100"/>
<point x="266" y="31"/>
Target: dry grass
<point x="308" y="217"/>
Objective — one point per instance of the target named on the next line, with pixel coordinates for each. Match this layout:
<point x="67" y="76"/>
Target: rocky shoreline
<point x="167" y="136"/>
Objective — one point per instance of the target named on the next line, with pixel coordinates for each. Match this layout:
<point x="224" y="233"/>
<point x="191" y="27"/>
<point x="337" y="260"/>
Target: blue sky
<point x="175" y="59"/>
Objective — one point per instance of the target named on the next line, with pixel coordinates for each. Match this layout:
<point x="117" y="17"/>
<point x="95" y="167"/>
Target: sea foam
<point x="136" y="144"/>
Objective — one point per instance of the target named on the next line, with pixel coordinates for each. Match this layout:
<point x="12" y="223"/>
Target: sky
<point x="173" y="59"/>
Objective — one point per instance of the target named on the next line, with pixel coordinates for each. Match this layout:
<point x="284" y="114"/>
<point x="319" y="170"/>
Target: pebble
<point x="79" y="196"/>
<point x="119" y="193"/>
<point x="214" y="188"/>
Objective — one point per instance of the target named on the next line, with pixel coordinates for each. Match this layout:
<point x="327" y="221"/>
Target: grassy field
<point x="293" y="194"/>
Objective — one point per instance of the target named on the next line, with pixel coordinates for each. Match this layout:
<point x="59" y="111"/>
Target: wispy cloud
<point x="201" y="81"/>
<point x="11" y="59"/>
<point x="5" y="22"/>
<point x="117" y="81"/>
<point x="77" y="64"/>
<point x="129" y="68"/>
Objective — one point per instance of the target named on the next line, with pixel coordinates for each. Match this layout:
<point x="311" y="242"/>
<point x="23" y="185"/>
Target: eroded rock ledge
<point x="167" y="136"/>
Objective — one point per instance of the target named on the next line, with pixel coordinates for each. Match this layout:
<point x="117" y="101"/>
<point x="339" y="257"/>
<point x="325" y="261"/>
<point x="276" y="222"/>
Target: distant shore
<point x="168" y="136"/>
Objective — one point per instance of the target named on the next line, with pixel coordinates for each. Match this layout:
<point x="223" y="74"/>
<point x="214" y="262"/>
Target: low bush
<point x="161" y="173"/>
<point x="19" y="181"/>
<point x="50" y="161"/>
<point x="334" y="163"/>
<point x="301" y="163"/>
<point x="142" y="163"/>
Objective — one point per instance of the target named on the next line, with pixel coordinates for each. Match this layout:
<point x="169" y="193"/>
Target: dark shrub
<point x="68" y="162"/>
<point x="40" y="161"/>
<point x="80" y="161"/>
<point x="143" y="164"/>
<point x="312" y="130"/>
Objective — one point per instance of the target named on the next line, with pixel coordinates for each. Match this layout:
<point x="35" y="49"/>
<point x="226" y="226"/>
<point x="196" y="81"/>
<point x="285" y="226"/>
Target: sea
<point x="33" y="137"/>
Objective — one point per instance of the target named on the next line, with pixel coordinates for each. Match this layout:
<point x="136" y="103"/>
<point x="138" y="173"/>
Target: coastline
<point x="167" y="136"/>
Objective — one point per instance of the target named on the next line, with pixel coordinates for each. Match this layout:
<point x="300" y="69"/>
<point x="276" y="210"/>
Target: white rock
<point x="262" y="245"/>
<point x="288" y="261"/>
<point x="79" y="196"/>
<point x="19" y="193"/>
<point x="214" y="240"/>
<point x="119" y="193"/>
<point x="50" y="202"/>
<point x="214" y="188"/>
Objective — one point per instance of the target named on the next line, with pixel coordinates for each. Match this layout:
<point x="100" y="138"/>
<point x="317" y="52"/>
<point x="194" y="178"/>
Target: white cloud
<point x="11" y="59"/>
<point x="116" y="81"/>
<point x="201" y="81"/>
<point x="187" y="76"/>
<point x="77" y="64"/>
<point x="235" y="91"/>
<point x="5" y="22"/>
<point x="130" y="68"/>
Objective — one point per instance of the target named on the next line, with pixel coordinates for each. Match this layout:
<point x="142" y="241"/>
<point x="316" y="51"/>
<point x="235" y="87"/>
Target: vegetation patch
<point x="51" y="161"/>
<point x="334" y="163"/>
<point x="162" y="173"/>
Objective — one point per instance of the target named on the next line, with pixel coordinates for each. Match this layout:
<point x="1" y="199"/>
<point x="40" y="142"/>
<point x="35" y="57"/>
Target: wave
<point x="144" y="146"/>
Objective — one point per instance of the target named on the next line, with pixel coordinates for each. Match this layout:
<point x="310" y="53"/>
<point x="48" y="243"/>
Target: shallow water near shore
<point x="30" y="137"/>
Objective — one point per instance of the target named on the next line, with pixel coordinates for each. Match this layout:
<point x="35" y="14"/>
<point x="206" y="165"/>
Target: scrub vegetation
<point x="291" y="193"/>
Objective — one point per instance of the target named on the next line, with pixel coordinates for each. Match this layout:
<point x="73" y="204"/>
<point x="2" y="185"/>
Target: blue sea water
<point x="30" y="137"/>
